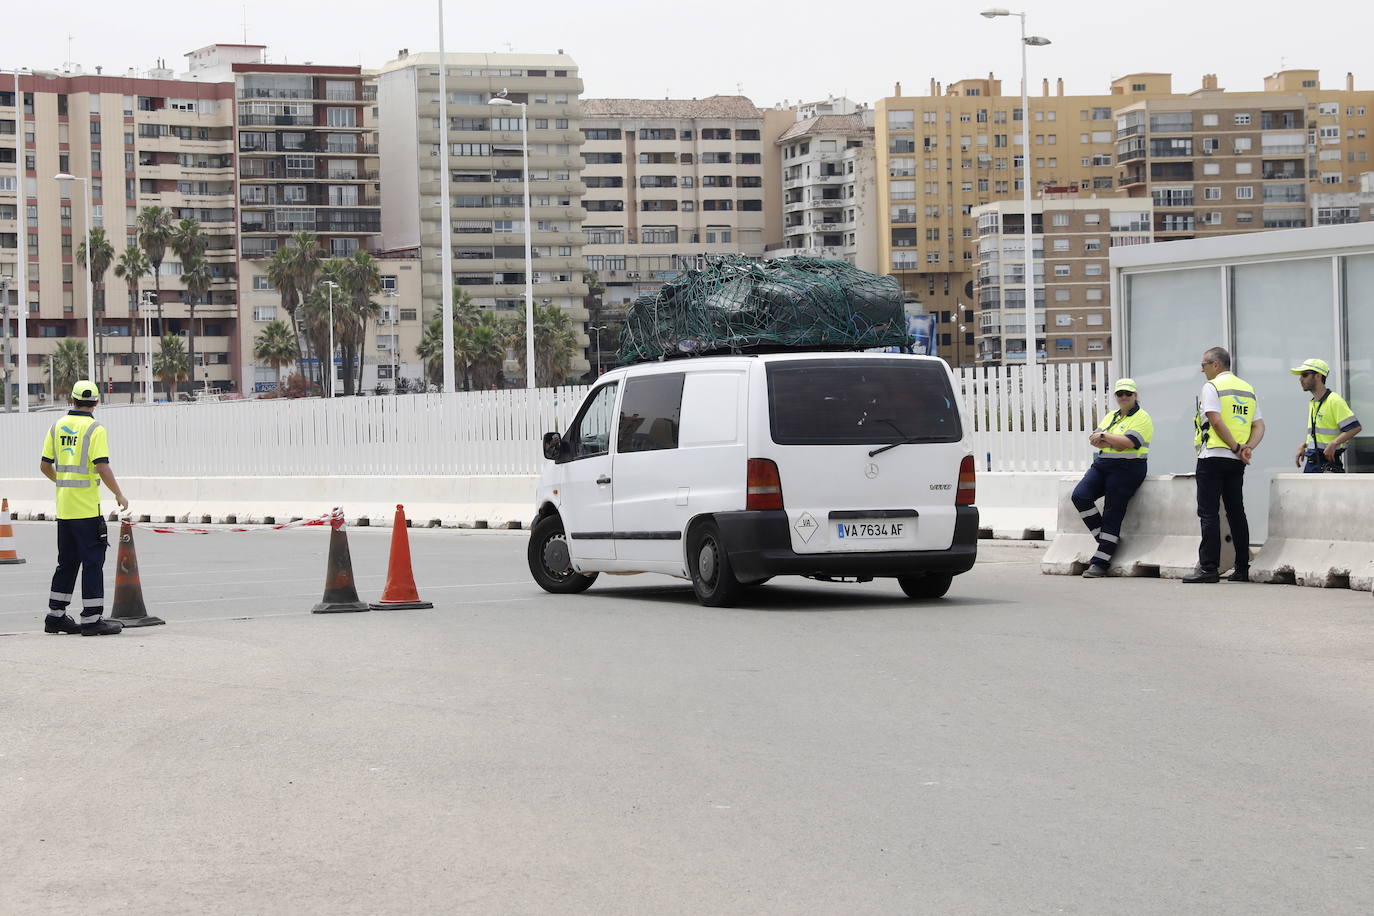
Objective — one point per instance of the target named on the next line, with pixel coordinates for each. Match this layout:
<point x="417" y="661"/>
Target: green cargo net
<point x="736" y="305"/>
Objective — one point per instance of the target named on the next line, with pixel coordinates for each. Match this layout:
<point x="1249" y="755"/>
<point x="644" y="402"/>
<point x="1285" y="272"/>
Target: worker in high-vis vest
<point x="1330" y="422"/>
<point x="76" y="457"/>
<point x="1226" y="430"/>
<point x="1122" y="440"/>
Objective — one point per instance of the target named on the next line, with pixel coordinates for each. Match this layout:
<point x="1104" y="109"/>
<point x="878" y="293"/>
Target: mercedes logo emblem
<point x="871" y="471"/>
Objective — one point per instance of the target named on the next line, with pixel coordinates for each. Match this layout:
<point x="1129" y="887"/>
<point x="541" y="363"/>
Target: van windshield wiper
<point x="906" y="440"/>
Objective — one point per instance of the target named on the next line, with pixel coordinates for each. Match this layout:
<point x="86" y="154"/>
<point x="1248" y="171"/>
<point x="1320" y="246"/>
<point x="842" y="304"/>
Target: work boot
<point x="1240" y="575"/>
<point x="60" y="624"/>
<point x="101" y="628"/>
<point x="1094" y="572"/>
<point x="1200" y="576"/>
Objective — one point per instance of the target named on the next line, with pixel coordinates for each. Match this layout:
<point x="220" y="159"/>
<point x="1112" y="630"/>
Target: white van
<point x="729" y="470"/>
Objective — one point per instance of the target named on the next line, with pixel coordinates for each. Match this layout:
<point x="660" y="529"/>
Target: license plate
<point x="870" y="531"/>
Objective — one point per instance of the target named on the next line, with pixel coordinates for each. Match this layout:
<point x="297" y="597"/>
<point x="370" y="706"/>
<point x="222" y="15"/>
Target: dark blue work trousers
<point x="1117" y="479"/>
<point x="1221" y="481"/>
<point x="81" y="545"/>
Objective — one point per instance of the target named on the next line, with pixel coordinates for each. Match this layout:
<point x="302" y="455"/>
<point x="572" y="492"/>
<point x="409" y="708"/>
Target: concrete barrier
<point x="1159" y="537"/>
<point x="1021" y="505"/>
<point x="457" y="501"/>
<point x="1320" y="532"/>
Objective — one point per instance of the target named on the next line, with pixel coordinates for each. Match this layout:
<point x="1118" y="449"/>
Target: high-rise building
<point x="671" y="182"/>
<point x="1210" y="162"/>
<point x="1336" y="208"/>
<point x="1071" y="240"/>
<point x="481" y="149"/>
<point x="135" y="140"/>
<point x="829" y="186"/>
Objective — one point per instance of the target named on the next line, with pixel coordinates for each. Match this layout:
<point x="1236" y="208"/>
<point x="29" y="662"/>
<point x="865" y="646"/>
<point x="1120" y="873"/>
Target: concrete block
<point x="1017" y="504"/>
<point x="1159" y="537"/>
<point x="1320" y="534"/>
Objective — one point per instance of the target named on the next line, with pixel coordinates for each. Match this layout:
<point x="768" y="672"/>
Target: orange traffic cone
<point x="400" y="593"/>
<point x="340" y="595"/>
<point x="8" y="555"/>
<point x="128" y="607"/>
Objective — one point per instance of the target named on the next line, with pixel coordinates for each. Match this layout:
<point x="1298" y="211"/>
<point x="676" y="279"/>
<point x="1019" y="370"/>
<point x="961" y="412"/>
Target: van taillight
<point x="765" y="487"/>
<point x="964" y="495"/>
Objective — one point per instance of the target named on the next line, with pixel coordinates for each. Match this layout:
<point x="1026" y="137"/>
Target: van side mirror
<point x="553" y="444"/>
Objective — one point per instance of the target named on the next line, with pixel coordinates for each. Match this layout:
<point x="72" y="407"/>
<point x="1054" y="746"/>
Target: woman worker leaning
<point x="1122" y="440"/>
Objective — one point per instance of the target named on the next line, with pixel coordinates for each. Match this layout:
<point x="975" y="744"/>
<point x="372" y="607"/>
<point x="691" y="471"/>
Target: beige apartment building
<point x="671" y="183"/>
<point x="829" y="186"/>
<point x="1336" y="208"/>
<point x="481" y="149"/>
<point x="960" y="147"/>
<point x="1072" y="238"/>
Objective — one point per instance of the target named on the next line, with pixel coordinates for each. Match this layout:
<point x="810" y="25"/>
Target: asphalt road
<point x="1031" y="744"/>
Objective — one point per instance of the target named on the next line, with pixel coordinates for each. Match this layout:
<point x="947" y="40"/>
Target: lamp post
<point x="1034" y="41"/>
<point x="597" y="328"/>
<point x="529" y="256"/>
<point x="145" y="308"/>
<point x="331" y="286"/>
<point x="90" y="291"/>
<point x="395" y="341"/>
<point x="5" y="320"/>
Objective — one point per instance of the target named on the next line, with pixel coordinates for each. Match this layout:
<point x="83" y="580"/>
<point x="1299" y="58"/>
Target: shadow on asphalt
<point x="782" y="598"/>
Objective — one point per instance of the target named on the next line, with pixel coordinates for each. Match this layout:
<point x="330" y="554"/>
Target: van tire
<point x="713" y="578"/>
<point x="928" y="586"/>
<point x="560" y="582"/>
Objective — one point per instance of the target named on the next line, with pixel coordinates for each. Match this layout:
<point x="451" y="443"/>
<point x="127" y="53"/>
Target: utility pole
<point x="5" y="320"/>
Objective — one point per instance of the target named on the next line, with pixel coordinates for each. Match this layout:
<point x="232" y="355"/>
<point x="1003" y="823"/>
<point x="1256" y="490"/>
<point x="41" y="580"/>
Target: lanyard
<point x="1316" y="410"/>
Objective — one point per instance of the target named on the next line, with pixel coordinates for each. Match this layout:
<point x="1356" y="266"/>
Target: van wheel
<point x="713" y="579"/>
<point x="550" y="564"/>
<point x="931" y="585"/>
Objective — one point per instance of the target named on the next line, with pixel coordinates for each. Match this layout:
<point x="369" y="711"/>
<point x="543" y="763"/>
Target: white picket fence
<point x="1017" y="427"/>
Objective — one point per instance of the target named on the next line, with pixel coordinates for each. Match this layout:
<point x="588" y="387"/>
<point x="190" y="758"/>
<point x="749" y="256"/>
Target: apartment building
<point x="1210" y="162"/>
<point x="1336" y="208"/>
<point x="1072" y="238"/>
<point x="671" y="182"/>
<point x="481" y="149"/>
<point x="135" y="140"/>
<point x="829" y="187"/>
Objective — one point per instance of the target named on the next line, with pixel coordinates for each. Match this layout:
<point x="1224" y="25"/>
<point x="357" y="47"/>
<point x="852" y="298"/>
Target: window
<point x="590" y="433"/>
<point x="1210" y="120"/>
<point x="1092" y="244"/>
<point x="1245" y="192"/>
<point x="1211" y="168"/>
<point x="1057" y="219"/>
<point x="265" y="313"/>
<point x="261" y="282"/>
<point x="1211" y="193"/>
<point x="1062" y="270"/>
<point x="650" y="413"/>
<point x="1241" y="118"/>
<point x="1092" y="270"/>
<point x="1093" y="294"/>
<point x="1061" y="244"/>
<point x="1061" y="295"/>
<point x="839" y="402"/>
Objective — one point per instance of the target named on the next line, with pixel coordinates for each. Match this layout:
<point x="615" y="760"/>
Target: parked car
<point x="730" y="470"/>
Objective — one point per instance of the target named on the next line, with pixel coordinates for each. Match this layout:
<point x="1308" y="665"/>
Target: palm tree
<point x="466" y="315"/>
<point x="170" y="364"/>
<point x="101" y="254"/>
<point x="198" y="279"/>
<point x="362" y="279"/>
<point x="555" y="345"/>
<point x="132" y="267"/>
<point x="490" y="339"/>
<point x="67" y="367"/>
<point x="276" y="346"/>
<point x="306" y="261"/>
<point x="154" y="233"/>
<point x="281" y="273"/>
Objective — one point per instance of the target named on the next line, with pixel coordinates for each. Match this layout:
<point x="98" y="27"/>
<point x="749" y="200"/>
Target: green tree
<point x="361" y="281"/>
<point x="101" y="254"/>
<point x="555" y="345"/>
<point x="490" y="338"/>
<point x="198" y="279"/>
<point x="276" y="347"/>
<point x="307" y="260"/>
<point x="466" y="315"/>
<point x="170" y="364"/>
<point x="132" y="267"/>
<point x="66" y="367"/>
<point x="154" y="226"/>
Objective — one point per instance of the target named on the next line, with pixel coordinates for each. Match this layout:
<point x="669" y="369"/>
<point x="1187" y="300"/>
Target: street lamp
<point x="90" y="292"/>
<point x="445" y="216"/>
<point x="145" y="308"/>
<point x="598" y="328"/>
<point x="529" y="256"/>
<point x="5" y="320"/>
<point x="1034" y="41"/>
<point x="331" y="286"/>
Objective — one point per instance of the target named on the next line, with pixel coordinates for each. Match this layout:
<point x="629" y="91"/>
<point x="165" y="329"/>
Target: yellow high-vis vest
<point x="74" y="445"/>
<point x="1237" y="412"/>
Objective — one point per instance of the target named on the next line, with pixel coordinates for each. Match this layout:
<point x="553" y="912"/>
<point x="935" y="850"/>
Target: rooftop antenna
<point x="245" y="23"/>
<point x="509" y="48"/>
<point x="739" y="89"/>
<point x="67" y="64"/>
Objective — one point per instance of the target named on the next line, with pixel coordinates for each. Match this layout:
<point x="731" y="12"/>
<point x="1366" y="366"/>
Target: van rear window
<point x="861" y="402"/>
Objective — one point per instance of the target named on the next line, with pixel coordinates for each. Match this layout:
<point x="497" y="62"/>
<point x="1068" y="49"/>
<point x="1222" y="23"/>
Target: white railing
<point x="1016" y="427"/>
<point x="1040" y="426"/>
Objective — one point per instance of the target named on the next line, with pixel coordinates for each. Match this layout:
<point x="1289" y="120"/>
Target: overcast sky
<point x="803" y="49"/>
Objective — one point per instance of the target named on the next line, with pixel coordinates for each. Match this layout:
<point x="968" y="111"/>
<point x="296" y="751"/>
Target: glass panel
<point x="1163" y="309"/>
<point x="1359" y="361"/>
<point x="870" y="402"/>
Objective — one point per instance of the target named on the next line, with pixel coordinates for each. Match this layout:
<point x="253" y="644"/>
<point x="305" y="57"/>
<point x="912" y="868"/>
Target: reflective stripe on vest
<point x="1139" y="451"/>
<point x="1234" y="413"/>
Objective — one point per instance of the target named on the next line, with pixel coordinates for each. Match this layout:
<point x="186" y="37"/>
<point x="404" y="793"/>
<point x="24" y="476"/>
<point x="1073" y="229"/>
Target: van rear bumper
<point x="760" y="545"/>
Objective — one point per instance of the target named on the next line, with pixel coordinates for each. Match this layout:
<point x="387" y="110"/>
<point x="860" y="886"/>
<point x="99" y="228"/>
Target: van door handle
<point x="603" y="479"/>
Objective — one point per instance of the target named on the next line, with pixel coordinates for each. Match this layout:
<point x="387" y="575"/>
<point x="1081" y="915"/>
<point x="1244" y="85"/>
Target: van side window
<point x="650" y="413"/>
<point x="590" y="434"/>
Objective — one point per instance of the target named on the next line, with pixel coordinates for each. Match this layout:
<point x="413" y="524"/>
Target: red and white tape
<point x="333" y="519"/>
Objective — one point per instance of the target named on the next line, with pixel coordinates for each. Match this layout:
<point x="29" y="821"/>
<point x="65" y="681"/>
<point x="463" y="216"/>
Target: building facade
<point x="1340" y="207"/>
<point x="672" y="182"/>
<point x="1071" y="242"/>
<point x="829" y="188"/>
<point x="481" y="149"/>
